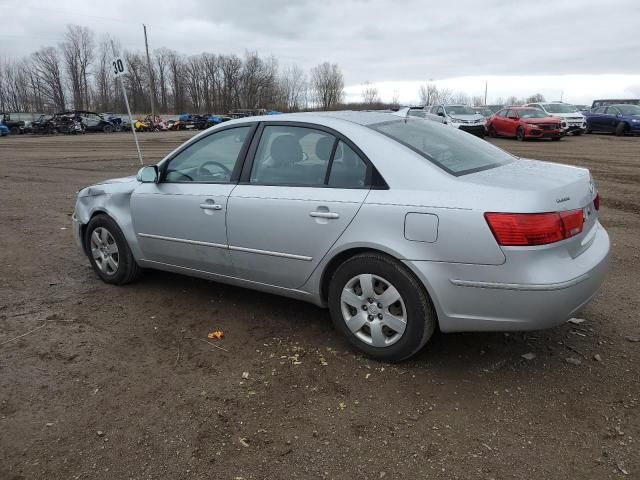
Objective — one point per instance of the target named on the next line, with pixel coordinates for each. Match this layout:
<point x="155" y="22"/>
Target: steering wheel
<point x="202" y="171"/>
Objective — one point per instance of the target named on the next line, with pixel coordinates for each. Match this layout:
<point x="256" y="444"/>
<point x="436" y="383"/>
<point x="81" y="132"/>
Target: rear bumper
<point x="486" y="298"/>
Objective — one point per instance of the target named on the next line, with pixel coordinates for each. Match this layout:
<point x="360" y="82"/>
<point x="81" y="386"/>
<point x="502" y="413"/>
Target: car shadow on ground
<point x="245" y="310"/>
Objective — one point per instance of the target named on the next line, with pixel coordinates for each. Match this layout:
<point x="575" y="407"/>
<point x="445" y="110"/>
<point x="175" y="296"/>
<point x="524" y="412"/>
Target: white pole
<point x="126" y="102"/>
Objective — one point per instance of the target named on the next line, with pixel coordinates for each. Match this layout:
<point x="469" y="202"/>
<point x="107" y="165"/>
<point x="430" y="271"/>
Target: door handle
<point x="317" y="214"/>
<point x="210" y="206"/>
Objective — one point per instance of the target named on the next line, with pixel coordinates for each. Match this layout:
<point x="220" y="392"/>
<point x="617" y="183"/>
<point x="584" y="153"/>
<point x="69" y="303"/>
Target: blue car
<point x="620" y="119"/>
<point x="3" y="130"/>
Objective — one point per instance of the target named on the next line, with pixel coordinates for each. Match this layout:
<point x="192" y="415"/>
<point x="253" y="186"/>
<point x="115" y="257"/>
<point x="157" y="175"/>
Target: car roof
<point x="364" y="118"/>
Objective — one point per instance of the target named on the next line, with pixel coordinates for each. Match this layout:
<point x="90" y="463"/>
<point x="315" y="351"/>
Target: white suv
<point x="572" y="120"/>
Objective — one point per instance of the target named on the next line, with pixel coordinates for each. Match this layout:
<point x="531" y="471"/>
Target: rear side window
<point x="347" y="170"/>
<point x="292" y="156"/>
<point x="454" y="151"/>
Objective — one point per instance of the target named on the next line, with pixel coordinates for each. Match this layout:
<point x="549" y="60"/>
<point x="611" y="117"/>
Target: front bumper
<point x="76" y="226"/>
<point x="486" y="298"/>
<point x="570" y="126"/>
<point x="477" y="129"/>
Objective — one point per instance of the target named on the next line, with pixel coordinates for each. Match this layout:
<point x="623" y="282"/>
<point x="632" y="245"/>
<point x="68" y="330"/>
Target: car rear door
<point x="181" y="221"/>
<point x="300" y="188"/>
<point x="610" y="120"/>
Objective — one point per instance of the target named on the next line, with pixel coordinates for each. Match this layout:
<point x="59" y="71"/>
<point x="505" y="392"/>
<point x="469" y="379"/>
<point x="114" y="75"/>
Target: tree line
<point x="76" y="74"/>
<point x="430" y="94"/>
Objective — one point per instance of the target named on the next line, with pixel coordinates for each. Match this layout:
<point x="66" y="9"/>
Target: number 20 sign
<point x="118" y="67"/>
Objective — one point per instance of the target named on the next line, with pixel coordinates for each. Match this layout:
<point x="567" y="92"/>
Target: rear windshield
<point x="455" y="151"/>
<point x="560" y="108"/>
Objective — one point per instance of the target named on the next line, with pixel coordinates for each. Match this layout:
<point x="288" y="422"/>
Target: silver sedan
<point x="397" y="225"/>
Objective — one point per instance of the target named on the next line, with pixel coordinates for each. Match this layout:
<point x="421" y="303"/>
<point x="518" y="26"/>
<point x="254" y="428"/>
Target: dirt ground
<point x="119" y="382"/>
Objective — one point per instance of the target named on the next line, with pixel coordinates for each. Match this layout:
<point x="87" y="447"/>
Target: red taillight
<point x="596" y="201"/>
<point x="522" y="229"/>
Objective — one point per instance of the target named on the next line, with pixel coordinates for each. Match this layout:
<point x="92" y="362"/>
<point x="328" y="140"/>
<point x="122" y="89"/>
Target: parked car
<point x="44" y="125"/>
<point x="573" y="121"/>
<point x="462" y="117"/>
<point x="4" y="130"/>
<point x="420" y="112"/>
<point x="486" y="112"/>
<point x="524" y="123"/>
<point x="614" y="101"/>
<point x="619" y="119"/>
<point x="397" y="225"/>
<point x="15" y="126"/>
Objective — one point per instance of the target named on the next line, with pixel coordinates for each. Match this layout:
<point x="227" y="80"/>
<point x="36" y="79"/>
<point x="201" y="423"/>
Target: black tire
<point x="621" y="129"/>
<point x="14" y="130"/>
<point x="127" y="270"/>
<point x="492" y="132"/>
<point x="421" y="317"/>
<point x="107" y="129"/>
<point x="520" y="136"/>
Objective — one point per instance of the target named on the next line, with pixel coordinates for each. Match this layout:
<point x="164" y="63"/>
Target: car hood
<point x="540" y="120"/>
<point x="475" y="117"/>
<point x="113" y="185"/>
<point x="567" y="115"/>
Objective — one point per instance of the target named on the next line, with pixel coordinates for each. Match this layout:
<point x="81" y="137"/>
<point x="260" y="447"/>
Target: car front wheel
<point x="108" y="251"/>
<point x="380" y="307"/>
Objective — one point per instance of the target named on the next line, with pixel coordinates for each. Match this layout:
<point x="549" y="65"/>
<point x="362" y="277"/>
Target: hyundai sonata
<point x="397" y="225"/>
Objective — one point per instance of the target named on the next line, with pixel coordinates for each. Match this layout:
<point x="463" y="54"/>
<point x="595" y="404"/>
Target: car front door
<point x="181" y="220"/>
<point x="610" y="120"/>
<point x="511" y="122"/>
<point x="301" y="190"/>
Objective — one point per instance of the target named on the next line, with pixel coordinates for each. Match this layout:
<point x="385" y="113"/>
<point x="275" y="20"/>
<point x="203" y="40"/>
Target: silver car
<point x="397" y="225"/>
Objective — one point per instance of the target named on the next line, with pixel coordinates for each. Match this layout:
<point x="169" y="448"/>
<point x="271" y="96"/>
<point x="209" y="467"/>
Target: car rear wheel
<point x="108" y="251"/>
<point x="621" y="129"/>
<point x="107" y="129"/>
<point x="380" y="307"/>
<point x="520" y="134"/>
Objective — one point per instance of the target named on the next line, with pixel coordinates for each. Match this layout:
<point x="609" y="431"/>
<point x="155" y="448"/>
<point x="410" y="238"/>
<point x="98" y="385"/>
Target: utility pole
<point x="126" y="102"/>
<point x="486" y="85"/>
<point x="152" y="85"/>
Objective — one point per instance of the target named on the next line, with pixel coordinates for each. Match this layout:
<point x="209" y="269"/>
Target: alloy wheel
<point x="373" y="310"/>
<point x="104" y="251"/>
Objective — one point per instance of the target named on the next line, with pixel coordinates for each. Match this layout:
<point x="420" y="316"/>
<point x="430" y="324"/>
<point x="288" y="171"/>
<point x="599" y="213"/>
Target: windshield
<point x="418" y="113"/>
<point x="629" y="109"/>
<point x="485" y="112"/>
<point x="531" y="113"/>
<point x="559" y="108"/>
<point x="459" y="110"/>
<point x="456" y="152"/>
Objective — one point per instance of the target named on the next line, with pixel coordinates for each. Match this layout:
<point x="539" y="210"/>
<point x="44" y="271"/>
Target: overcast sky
<point x="577" y="49"/>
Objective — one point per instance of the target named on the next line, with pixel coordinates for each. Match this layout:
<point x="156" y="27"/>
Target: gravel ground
<point x="118" y="382"/>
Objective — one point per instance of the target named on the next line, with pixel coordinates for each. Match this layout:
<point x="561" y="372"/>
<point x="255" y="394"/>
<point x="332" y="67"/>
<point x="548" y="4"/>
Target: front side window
<point x="209" y="160"/>
<point x="455" y="152"/>
<point x="629" y="109"/>
<point x="292" y="156"/>
<point x="502" y="113"/>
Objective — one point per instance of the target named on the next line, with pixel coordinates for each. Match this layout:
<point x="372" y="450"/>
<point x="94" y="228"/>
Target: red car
<point x="523" y="123"/>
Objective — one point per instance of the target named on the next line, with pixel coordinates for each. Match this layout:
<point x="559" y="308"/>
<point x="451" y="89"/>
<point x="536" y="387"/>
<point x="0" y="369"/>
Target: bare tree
<point x="78" y="52"/>
<point x="370" y="93"/>
<point x="395" y="100"/>
<point x="293" y="86"/>
<point x="460" y="98"/>
<point x="46" y="65"/>
<point x="477" y="100"/>
<point x="327" y="84"/>
<point x="535" y="98"/>
<point x="428" y="94"/>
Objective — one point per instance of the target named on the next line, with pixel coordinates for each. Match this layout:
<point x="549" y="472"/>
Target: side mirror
<point x="440" y="114"/>
<point x="148" y="174"/>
